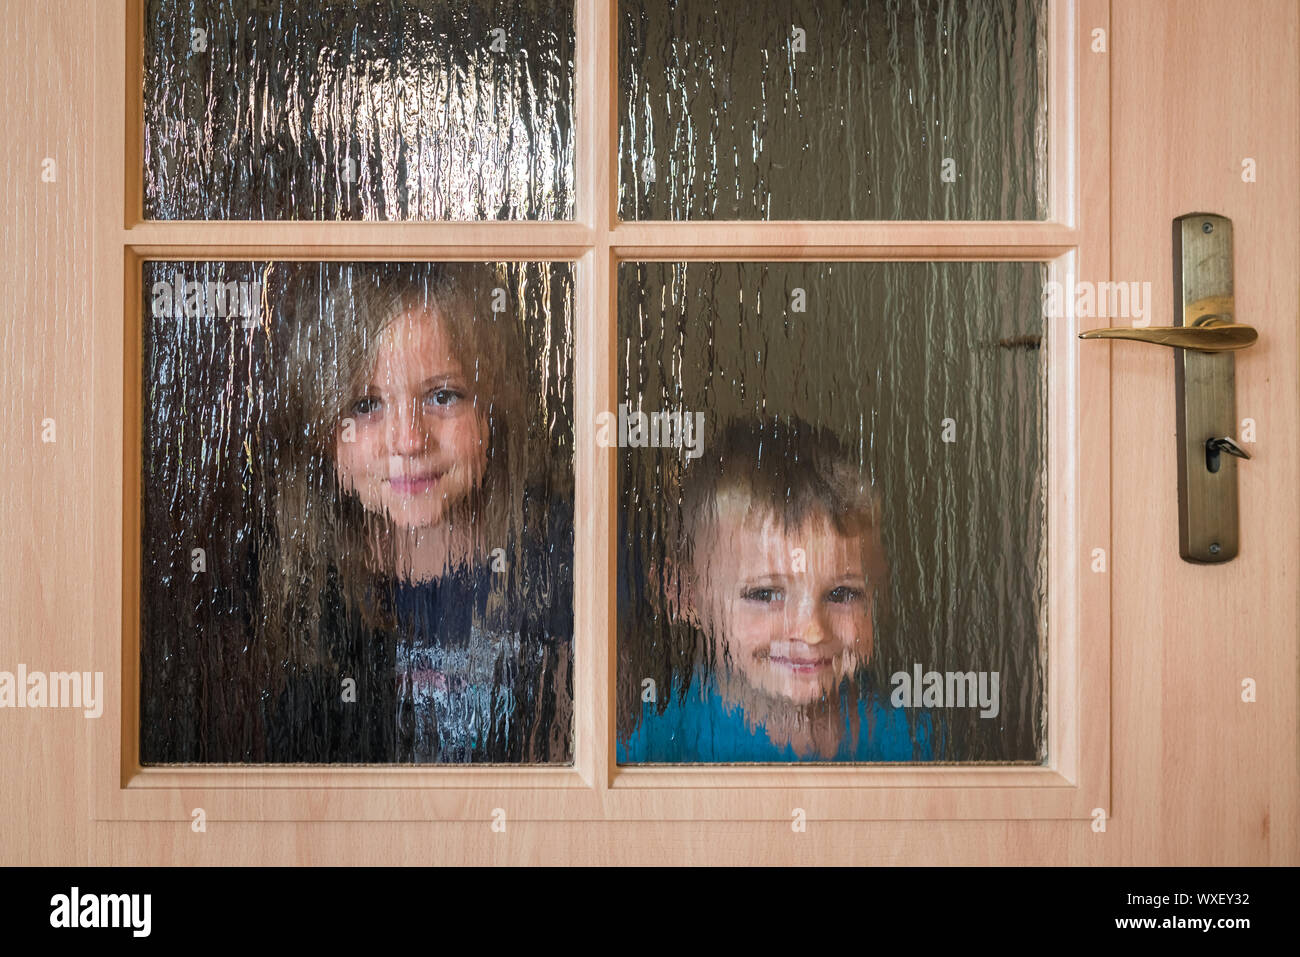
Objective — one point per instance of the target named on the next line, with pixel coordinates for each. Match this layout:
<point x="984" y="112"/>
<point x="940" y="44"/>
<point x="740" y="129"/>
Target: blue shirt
<point x="704" y="728"/>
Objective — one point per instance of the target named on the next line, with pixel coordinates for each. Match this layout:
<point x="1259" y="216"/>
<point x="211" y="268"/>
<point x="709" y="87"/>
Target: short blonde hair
<point x="787" y="470"/>
<point x="783" y="469"/>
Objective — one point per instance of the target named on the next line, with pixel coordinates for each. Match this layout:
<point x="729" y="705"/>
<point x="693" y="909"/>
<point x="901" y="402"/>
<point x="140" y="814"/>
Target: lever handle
<point x="1208" y="333"/>
<point x="1226" y="444"/>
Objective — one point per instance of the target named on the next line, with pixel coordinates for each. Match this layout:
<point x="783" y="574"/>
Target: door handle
<point x="1209" y="332"/>
<point x="1203" y="341"/>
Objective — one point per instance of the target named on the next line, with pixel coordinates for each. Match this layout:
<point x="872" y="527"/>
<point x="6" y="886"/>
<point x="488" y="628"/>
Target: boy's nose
<point x="810" y="628"/>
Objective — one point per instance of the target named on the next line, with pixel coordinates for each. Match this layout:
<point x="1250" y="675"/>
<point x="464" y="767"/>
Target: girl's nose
<point x="407" y="435"/>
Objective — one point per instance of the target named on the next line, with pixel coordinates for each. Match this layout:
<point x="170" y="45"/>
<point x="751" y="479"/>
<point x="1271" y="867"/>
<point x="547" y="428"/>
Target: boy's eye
<point x="762" y="594"/>
<point x="845" y="594"/>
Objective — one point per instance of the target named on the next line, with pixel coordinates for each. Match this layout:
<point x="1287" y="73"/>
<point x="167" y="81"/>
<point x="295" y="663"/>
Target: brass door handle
<point x="1205" y="400"/>
<point x="1210" y="333"/>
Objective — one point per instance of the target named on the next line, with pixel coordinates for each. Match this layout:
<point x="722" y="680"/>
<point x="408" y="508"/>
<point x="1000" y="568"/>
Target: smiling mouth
<point x="800" y="666"/>
<point x="414" y="484"/>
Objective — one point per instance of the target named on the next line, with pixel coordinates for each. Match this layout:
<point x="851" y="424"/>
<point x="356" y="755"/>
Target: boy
<point x="780" y="571"/>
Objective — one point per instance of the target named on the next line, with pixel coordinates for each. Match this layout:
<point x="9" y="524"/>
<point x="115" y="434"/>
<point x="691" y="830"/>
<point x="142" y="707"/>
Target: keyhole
<point x="1212" y="454"/>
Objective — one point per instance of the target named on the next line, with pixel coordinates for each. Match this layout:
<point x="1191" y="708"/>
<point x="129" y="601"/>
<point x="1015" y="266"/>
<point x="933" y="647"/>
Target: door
<point x="1159" y="722"/>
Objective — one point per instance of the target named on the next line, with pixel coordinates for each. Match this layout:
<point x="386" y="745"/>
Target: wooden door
<point x="1175" y="694"/>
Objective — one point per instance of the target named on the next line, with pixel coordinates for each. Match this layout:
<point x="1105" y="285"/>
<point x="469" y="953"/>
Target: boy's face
<point x="791" y="609"/>
<point x="417" y="443"/>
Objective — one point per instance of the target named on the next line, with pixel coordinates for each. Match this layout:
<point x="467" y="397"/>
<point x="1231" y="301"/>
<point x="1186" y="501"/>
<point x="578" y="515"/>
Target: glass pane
<point x="358" y="110"/>
<point x="357" y="498"/>
<point x="832" y="109"/>
<point x="832" y="507"/>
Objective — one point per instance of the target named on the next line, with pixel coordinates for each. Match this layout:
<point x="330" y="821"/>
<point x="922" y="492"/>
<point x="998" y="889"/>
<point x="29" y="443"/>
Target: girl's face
<point x="790" y="608"/>
<point x="413" y="444"/>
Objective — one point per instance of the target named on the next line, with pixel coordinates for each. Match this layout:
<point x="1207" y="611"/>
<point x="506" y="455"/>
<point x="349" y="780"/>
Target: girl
<point x="416" y="593"/>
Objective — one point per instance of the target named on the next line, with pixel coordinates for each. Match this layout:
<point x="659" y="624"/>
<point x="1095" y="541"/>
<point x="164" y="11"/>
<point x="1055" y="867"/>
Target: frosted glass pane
<point x="357" y="501"/>
<point x="358" y="110"/>
<point x="832" y="515"/>
<point x="832" y="109"/>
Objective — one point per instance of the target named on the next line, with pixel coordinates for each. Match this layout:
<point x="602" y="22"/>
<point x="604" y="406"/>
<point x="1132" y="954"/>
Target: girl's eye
<point x="444" y="398"/>
<point x="846" y="594"/>
<point x="367" y="406"/>
<point x="765" y="595"/>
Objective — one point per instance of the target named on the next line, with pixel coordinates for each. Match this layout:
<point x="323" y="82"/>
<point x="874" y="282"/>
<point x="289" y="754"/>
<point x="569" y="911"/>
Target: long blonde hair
<point x="320" y="539"/>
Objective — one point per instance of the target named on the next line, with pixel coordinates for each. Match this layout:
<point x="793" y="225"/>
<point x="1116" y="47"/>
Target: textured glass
<point x="832" y="513"/>
<point x="832" y="109"/>
<point x="358" y="109"/>
<point x="357" y="501"/>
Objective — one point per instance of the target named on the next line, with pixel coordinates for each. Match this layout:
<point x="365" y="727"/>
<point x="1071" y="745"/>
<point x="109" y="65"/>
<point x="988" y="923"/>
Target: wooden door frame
<point x="1074" y="780"/>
